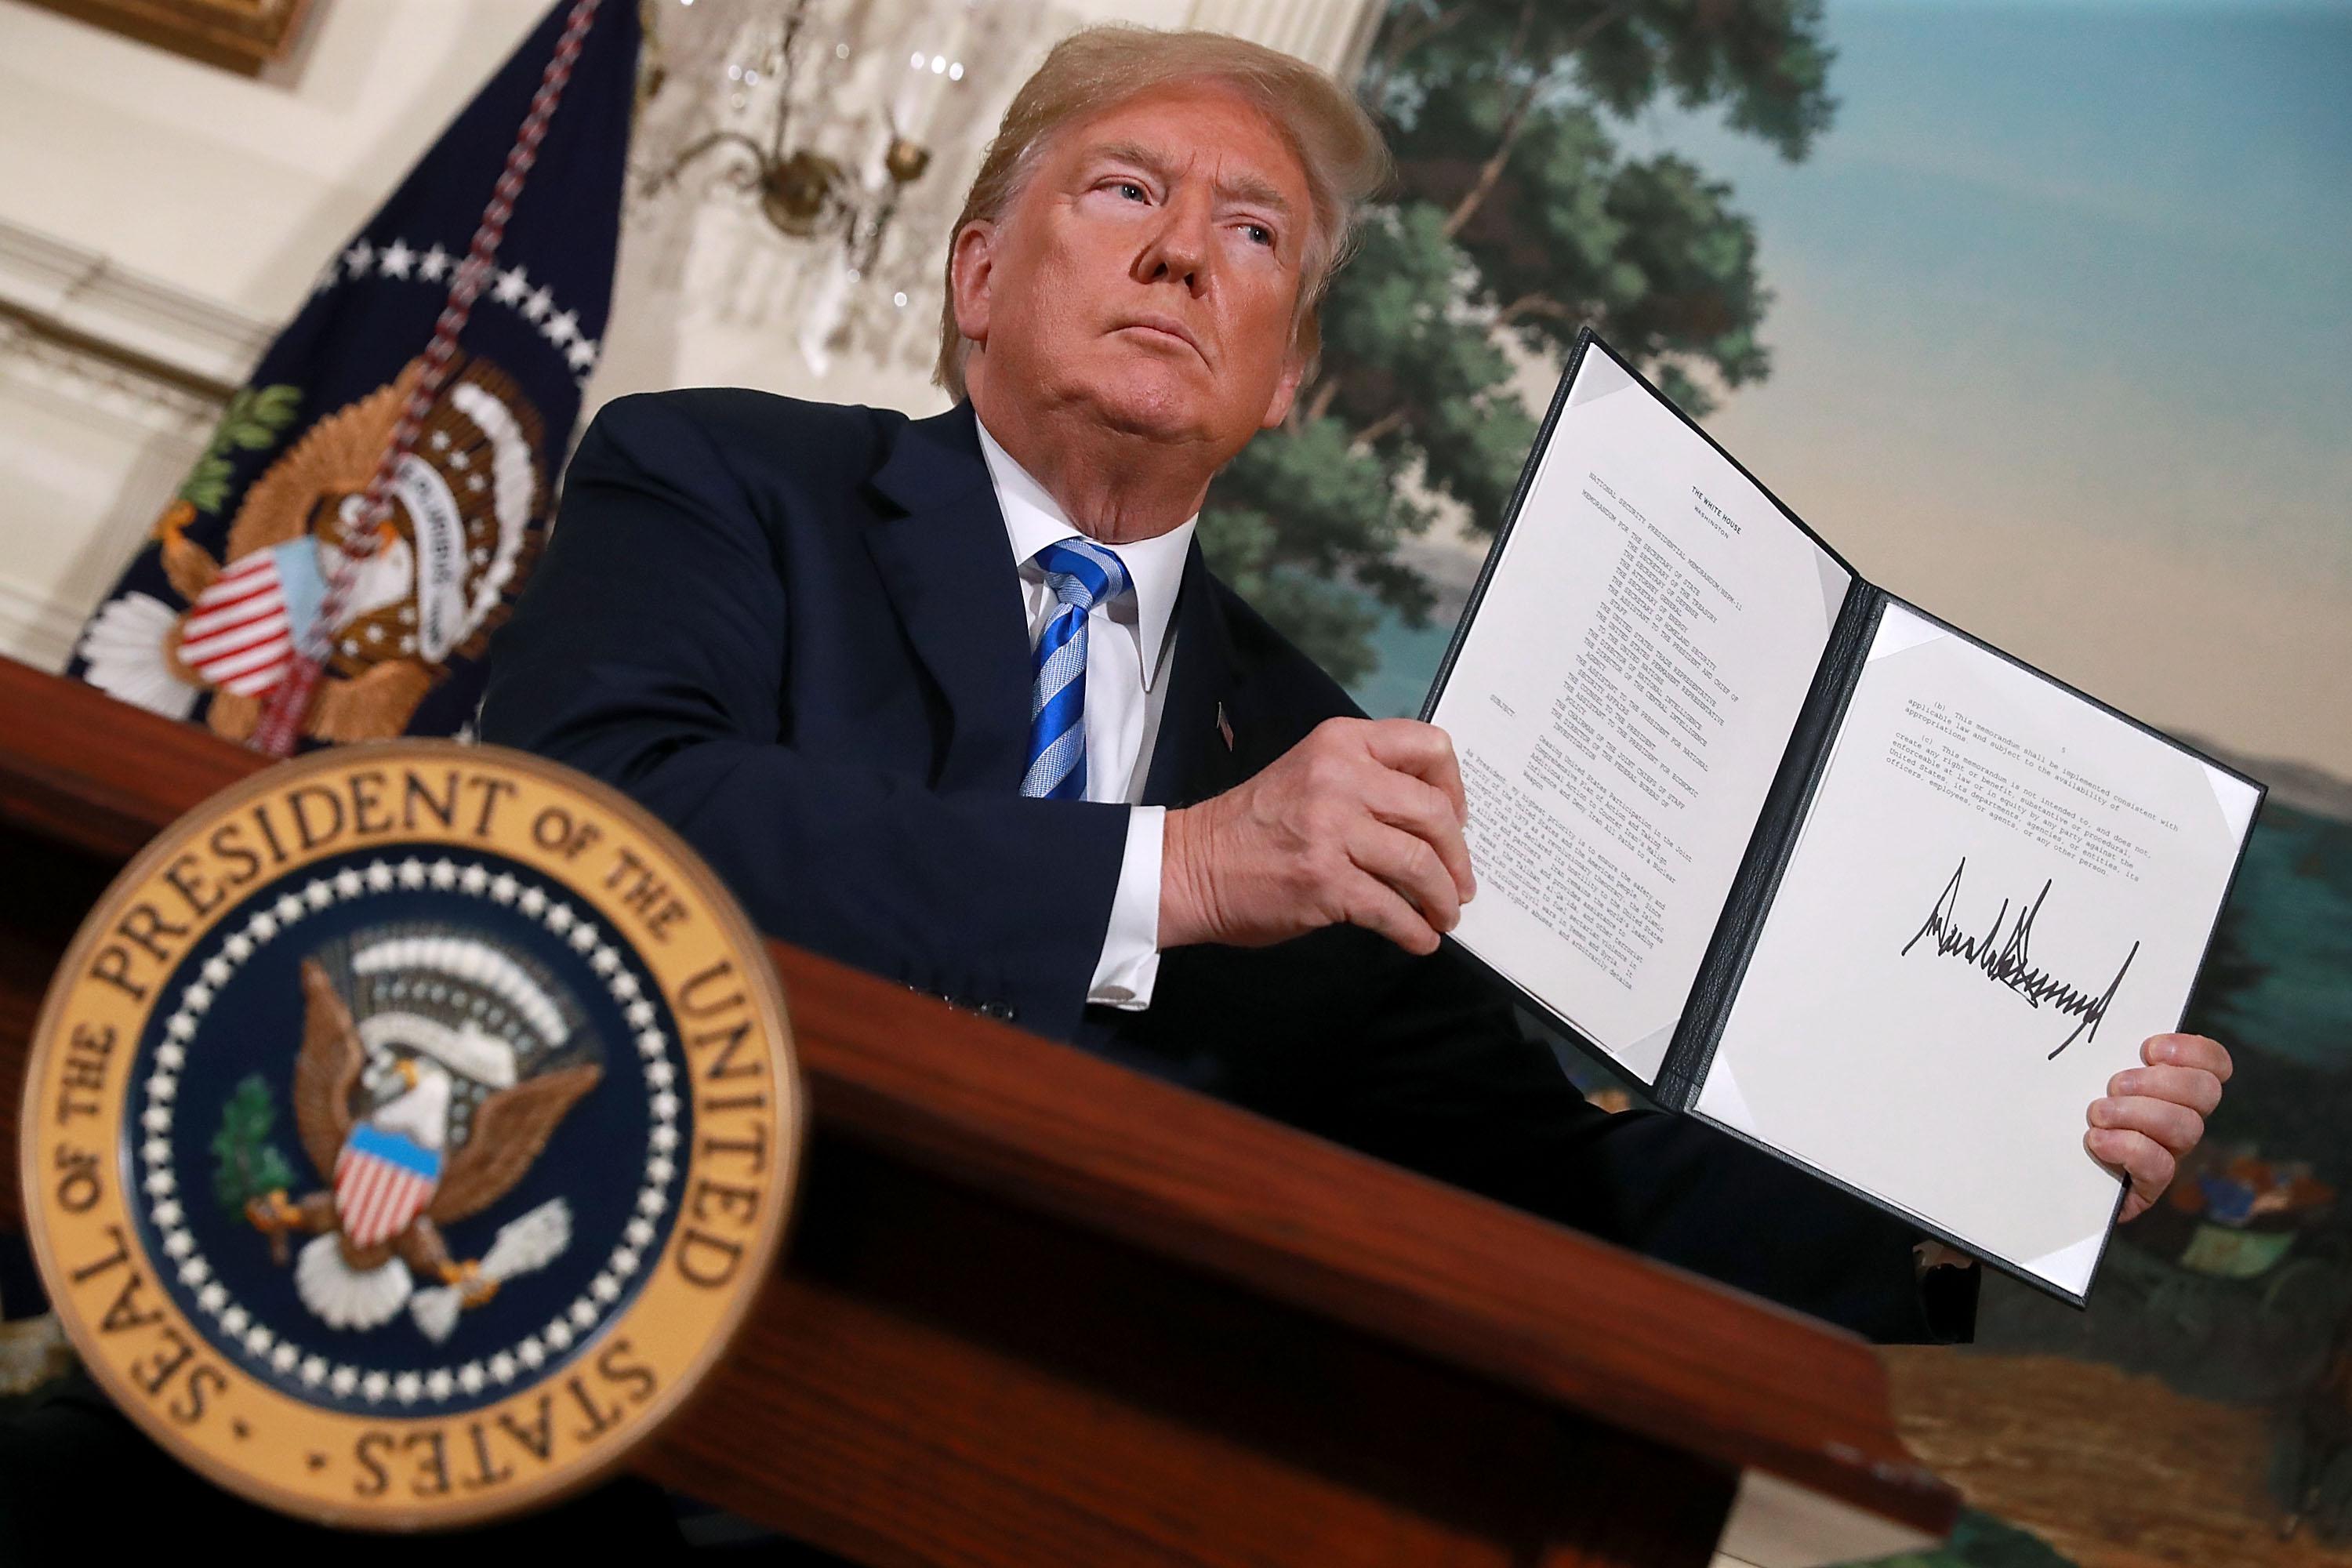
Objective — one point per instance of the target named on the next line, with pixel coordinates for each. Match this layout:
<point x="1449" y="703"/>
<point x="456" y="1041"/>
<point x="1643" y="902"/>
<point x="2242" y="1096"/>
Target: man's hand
<point x="1360" y="823"/>
<point x="2155" y="1114"/>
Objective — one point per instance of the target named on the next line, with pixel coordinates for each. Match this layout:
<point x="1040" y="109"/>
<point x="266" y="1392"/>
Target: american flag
<point x="382" y="1181"/>
<point x="537" y="327"/>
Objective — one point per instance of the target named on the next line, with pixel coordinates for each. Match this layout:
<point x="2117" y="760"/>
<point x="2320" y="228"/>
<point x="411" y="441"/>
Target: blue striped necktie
<point x="1082" y="574"/>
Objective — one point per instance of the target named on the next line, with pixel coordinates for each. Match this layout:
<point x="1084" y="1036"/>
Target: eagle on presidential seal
<point x="435" y="582"/>
<point x="433" y="1069"/>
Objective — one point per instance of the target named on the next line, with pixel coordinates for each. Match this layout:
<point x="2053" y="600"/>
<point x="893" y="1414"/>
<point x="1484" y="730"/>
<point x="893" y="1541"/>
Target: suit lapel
<point x="1195" y="756"/>
<point x="950" y="576"/>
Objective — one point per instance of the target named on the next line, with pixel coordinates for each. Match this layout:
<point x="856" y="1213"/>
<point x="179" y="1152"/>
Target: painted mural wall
<point x="2038" y="314"/>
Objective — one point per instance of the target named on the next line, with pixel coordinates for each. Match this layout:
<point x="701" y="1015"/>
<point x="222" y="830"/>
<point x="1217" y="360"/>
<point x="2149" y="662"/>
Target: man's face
<point x="1147" y="272"/>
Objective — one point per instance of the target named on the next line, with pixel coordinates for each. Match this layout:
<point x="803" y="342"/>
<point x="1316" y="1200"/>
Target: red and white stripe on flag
<point x="237" y="635"/>
<point x="376" y="1199"/>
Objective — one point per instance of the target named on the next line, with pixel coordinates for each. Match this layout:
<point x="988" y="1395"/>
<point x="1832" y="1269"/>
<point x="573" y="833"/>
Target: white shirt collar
<point x="1033" y="520"/>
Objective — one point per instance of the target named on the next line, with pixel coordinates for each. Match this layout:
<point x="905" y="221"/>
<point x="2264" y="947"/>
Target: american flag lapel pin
<point x="1224" y="729"/>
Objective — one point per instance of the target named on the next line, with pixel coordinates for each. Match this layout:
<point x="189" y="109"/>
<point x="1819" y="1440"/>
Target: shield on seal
<point x="239" y="633"/>
<point x="384" y="1178"/>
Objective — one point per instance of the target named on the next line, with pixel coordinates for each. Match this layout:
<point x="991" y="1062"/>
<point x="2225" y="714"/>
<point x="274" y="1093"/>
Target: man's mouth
<point x="1166" y="327"/>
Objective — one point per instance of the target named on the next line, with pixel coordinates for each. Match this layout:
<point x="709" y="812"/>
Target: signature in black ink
<point x="2009" y="964"/>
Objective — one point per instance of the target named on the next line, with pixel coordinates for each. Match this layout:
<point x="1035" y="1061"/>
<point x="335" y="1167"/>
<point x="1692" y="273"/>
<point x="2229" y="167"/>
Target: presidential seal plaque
<point x="407" y="1132"/>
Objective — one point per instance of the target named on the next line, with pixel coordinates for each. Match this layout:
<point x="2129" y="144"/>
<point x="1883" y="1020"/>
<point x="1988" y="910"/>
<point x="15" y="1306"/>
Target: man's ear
<point x="974" y="256"/>
<point x="1278" y="408"/>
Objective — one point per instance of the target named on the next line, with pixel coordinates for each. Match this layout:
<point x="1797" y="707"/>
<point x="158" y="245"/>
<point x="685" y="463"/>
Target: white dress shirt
<point x="1131" y="648"/>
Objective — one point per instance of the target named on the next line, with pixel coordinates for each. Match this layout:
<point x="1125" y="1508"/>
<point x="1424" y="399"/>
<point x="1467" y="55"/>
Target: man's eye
<point x="1260" y="235"/>
<point x="1133" y="191"/>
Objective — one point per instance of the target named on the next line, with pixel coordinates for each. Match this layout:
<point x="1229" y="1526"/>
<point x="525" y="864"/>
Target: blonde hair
<point x="1099" y="68"/>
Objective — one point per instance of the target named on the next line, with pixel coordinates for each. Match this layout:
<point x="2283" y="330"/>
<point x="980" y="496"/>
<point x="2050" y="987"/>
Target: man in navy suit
<point x="957" y="702"/>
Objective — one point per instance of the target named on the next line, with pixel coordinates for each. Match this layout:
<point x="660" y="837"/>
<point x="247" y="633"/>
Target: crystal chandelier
<point x="807" y="194"/>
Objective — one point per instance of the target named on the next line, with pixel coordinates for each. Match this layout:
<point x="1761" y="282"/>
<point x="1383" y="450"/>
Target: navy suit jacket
<point x="795" y="632"/>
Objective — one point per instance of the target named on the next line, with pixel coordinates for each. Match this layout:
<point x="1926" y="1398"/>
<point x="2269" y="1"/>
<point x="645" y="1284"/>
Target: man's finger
<point x="2188" y="1051"/>
<point x="1410" y="866"/>
<point x="2176" y="1127"/>
<point x="1377" y="907"/>
<point x="2192" y="1086"/>
<point x="2145" y="1163"/>
<point x="1423" y="810"/>
<point x="1422" y="750"/>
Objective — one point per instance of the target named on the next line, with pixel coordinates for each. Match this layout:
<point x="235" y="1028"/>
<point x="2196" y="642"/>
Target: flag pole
<point x="289" y="700"/>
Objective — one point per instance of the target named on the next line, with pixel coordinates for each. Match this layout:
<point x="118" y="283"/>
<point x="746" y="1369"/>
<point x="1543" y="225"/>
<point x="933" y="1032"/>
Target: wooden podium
<point x="1037" y="1310"/>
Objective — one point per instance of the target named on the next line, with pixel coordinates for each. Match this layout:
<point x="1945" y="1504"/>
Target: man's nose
<point x="1179" y="250"/>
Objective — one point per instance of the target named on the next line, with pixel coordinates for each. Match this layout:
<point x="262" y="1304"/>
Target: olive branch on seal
<point x="249" y="1166"/>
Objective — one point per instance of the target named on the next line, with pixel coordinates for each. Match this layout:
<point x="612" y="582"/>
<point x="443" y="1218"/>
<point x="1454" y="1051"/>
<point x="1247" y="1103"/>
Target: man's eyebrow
<point x="1261" y="193"/>
<point x="1249" y="188"/>
<point x="1133" y="153"/>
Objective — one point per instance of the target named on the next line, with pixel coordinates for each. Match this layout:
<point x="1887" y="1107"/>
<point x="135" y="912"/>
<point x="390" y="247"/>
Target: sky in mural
<point x="2062" y="341"/>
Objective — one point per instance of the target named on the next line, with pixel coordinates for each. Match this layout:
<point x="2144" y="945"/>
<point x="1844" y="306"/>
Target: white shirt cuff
<point x="1129" y="965"/>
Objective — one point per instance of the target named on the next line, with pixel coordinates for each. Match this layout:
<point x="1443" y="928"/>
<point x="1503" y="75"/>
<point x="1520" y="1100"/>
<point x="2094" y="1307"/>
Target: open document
<point x="1805" y="861"/>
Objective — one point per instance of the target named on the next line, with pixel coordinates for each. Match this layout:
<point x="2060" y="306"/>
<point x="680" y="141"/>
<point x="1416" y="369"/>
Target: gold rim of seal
<point x="763" y="998"/>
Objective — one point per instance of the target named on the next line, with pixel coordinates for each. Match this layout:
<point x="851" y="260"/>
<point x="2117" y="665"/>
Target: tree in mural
<point x="1516" y="218"/>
